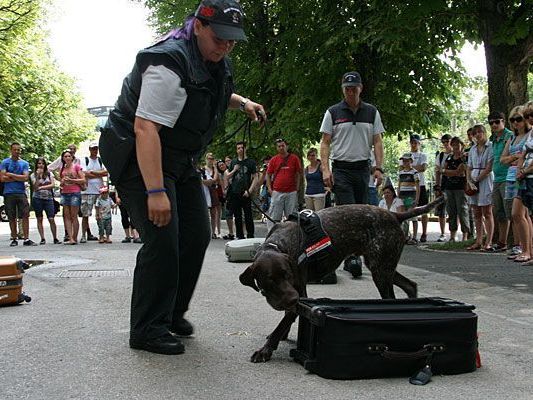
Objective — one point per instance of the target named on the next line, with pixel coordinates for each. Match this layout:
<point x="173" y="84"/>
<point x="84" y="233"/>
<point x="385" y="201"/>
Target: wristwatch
<point x="243" y="103"/>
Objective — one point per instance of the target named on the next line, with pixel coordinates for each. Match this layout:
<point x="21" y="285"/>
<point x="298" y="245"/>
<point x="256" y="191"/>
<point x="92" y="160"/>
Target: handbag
<point x="471" y="188"/>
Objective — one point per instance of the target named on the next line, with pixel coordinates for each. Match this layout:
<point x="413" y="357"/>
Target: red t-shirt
<point x="284" y="172"/>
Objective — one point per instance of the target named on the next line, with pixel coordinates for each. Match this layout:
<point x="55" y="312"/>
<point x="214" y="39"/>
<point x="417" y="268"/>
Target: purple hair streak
<point x="185" y="32"/>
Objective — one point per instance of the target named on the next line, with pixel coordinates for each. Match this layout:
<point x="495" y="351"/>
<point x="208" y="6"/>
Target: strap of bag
<point x="283" y="164"/>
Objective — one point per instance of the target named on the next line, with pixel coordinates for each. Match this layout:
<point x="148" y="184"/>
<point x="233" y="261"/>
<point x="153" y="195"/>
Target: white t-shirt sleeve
<point x="162" y="97"/>
<point x="327" y="124"/>
<point x="378" y="125"/>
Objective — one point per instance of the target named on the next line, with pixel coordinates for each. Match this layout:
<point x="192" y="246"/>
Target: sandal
<point x="488" y="249"/>
<point x="475" y="246"/>
<point x="521" y="259"/>
<point x="214" y="236"/>
<point x="499" y="247"/>
<point x="528" y="262"/>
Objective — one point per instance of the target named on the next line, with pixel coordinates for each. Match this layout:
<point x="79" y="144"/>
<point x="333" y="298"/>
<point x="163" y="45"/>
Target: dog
<point x="355" y="229"/>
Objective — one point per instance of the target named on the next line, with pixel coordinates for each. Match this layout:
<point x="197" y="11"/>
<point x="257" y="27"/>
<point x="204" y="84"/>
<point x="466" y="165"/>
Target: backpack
<point x="99" y="162"/>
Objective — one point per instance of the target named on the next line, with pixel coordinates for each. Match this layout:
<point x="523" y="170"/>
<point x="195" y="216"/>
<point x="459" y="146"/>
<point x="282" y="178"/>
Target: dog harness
<point x="316" y="242"/>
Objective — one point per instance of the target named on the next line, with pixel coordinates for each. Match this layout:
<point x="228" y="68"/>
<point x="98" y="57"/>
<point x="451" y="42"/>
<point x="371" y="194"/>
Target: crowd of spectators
<point x="83" y="187"/>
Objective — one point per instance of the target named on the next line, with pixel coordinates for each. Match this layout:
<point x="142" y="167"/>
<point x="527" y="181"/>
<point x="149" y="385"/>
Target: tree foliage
<point x="39" y="105"/>
<point x="407" y="53"/>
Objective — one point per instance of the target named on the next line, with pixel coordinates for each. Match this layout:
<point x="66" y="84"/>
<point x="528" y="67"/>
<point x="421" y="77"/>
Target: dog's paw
<point x="262" y="355"/>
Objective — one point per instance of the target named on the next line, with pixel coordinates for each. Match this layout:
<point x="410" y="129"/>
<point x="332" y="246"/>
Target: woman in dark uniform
<point x="169" y="107"/>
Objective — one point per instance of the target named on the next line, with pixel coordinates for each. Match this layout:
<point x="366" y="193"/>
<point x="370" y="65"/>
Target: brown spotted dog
<point x="354" y="229"/>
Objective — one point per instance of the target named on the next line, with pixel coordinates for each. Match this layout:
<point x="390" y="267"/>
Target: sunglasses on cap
<point x="494" y="121"/>
<point x="516" y="119"/>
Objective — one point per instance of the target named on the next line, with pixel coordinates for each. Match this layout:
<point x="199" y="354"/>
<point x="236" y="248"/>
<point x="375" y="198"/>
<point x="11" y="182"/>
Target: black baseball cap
<point x="224" y="17"/>
<point x="351" y="79"/>
<point x="414" y="136"/>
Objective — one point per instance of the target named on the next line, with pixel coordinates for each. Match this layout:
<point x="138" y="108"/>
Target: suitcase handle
<point x="426" y="351"/>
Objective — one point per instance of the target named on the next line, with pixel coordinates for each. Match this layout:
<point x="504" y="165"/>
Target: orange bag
<point x="11" y="270"/>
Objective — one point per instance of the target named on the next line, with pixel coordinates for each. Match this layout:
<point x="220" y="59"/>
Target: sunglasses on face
<point x="516" y="119"/>
<point x="494" y="121"/>
<point x="445" y="141"/>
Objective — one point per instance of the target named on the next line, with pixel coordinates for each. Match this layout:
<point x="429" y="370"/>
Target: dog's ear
<point x="247" y="278"/>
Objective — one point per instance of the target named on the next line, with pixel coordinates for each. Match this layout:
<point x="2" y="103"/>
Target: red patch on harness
<point x="318" y="246"/>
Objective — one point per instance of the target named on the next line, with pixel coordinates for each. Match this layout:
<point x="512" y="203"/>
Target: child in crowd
<point x="409" y="188"/>
<point x="104" y="205"/>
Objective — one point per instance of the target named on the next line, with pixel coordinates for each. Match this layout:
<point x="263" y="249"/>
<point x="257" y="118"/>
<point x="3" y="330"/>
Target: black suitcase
<point x="359" y="339"/>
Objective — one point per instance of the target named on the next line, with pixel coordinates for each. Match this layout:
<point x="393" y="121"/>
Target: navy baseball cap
<point x="224" y="17"/>
<point x="414" y="136"/>
<point x="351" y="79"/>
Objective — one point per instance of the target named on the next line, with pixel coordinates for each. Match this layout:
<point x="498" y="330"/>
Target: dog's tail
<point x="415" y="212"/>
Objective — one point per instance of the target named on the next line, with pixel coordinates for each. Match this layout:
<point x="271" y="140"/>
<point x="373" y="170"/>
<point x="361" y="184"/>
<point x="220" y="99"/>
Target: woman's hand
<point x="159" y="209"/>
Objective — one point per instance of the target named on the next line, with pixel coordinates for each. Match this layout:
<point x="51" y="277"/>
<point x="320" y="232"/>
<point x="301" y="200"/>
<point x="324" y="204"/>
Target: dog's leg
<point x="407" y="285"/>
<point x="265" y="353"/>
<point x="384" y="284"/>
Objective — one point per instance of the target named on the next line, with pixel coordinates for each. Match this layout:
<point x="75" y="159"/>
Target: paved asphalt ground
<point x="70" y="342"/>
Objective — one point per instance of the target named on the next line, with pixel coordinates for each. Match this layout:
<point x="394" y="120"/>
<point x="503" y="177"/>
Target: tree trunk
<point x="507" y="65"/>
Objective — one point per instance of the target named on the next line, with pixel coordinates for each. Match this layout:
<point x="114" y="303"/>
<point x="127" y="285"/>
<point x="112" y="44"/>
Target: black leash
<point x="246" y="127"/>
<point x="262" y="212"/>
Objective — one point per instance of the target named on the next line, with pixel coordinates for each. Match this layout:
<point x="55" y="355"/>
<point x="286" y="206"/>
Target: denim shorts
<point x="46" y="205"/>
<point x="71" y="199"/>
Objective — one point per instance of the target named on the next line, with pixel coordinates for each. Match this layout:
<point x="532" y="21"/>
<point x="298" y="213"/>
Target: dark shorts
<point x="71" y="199"/>
<point x="526" y="194"/>
<point x="423" y="198"/>
<point x="17" y="206"/>
<point x="46" y="205"/>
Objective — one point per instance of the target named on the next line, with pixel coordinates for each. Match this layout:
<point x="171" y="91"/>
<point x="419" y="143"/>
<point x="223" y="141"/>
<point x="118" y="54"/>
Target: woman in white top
<point x="395" y="204"/>
<point x="479" y="173"/>
<point x="390" y="201"/>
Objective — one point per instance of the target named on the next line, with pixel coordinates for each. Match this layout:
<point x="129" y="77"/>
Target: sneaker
<point x="442" y="238"/>
<point x="56" y="241"/>
<point x="515" y="251"/>
<point x="14" y="243"/>
<point x="127" y="239"/>
<point x="42" y="241"/>
<point x="29" y="242"/>
<point x="423" y="239"/>
<point x="91" y="238"/>
<point x="228" y="237"/>
<point x="83" y="240"/>
<point x="137" y="240"/>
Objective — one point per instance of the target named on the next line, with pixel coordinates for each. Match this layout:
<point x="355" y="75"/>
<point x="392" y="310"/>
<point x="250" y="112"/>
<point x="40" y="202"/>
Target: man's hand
<point x="159" y="209"/>
<point x="327" y="178"/>
<point x="378" y="177"/>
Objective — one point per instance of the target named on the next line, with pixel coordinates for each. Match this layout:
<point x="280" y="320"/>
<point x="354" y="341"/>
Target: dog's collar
<point x="272" y="245"/>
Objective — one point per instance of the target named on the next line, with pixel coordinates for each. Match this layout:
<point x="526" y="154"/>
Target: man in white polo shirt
<point x="350" y="129"/>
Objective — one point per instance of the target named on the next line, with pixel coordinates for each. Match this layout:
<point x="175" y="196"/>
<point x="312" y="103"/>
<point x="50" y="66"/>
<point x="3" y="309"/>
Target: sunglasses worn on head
<point x="494" y="121"/>
<point x="516" y="119"/>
